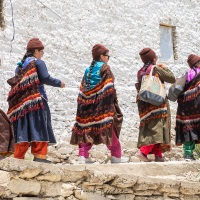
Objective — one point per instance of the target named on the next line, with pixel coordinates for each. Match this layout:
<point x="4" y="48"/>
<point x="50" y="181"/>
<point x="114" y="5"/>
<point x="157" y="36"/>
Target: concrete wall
<point x="70" y="28"/>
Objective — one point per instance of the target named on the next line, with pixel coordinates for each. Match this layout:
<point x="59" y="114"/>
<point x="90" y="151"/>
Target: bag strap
<point x="151" y="72"/>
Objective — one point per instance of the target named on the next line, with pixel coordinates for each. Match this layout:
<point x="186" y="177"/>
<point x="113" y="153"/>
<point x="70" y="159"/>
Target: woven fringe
<point x="24" y="96"/>
<point x="25" y="108"/>
<point x="95" y="129"/>
<point x="25" y="85"/>
<point x="150" y="118"/>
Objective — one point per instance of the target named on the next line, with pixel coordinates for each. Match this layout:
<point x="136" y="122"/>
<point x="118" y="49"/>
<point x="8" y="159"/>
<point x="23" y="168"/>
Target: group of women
<point x="99" y="118"/>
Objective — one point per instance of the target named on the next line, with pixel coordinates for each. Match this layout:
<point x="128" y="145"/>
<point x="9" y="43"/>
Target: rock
<point x="125" y="181"/>
<point x="74" y="176"/>
<point x="26" y="198"/>
<point x="88" y="196"/>
<point x="5" y="178"/>
<point x="121" y="197"/>
<point x="20" y="186"/>
<point x="49" y="177"/>
<point x="51" y="189"/>
<point x="107" y="189"/>
<point x="30" y="173"/>
<point x="67" y="189"/>
<point x="190" y="188"/>
<point x="99" y="178"/>
<point x="134" y="159"/>
<point x="147" y="184"/>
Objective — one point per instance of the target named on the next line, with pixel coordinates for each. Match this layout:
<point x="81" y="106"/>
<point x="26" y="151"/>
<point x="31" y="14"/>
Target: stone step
<point x="26" y="179"/>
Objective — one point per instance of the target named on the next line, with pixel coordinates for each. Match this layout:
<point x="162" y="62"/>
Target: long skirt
<point x="35" y="127"/>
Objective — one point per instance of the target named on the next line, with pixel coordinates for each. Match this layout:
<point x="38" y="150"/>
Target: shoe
<point x="159" y="159"/>
<point x="2" y="157"/>
<point x="118" y="160"/>
<point x="41" y="160"/>
<point x="189" y="158"/>
<point x="142" y="157"/>
<point x="83" y="160"/>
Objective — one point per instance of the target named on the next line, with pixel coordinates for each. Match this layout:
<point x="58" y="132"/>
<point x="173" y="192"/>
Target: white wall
<point x="70" y="28"/>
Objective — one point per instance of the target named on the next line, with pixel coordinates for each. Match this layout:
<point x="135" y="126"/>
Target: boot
<point x="83" y="160"/>
<point x="189" y="158"/>
<point x="119" y="160"/>
<point x="142" y="157"/>
<point x="159" y="159"/>
<point x="41" y="160"/>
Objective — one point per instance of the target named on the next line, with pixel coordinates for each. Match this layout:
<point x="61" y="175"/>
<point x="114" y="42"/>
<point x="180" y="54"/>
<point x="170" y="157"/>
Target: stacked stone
<point x="27" y="180"/>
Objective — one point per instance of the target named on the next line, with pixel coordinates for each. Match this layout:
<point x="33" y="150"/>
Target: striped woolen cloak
<point x="188" y="113"/>
<point x="155" y="121"/>
<point x="24" y="96"/>
<point x="97" y="111"/>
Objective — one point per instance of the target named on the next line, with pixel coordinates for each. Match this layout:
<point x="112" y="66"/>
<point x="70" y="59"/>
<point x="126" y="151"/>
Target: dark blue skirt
<point x="35" y="127"/>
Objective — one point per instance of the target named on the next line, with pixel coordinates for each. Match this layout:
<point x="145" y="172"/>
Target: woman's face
<point x="155" y="60"/>
<point x="105" y="57"/>
<point x="38" y="53"/>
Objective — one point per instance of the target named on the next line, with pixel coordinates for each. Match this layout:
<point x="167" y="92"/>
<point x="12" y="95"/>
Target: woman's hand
<point x="162" y="65"/>
<point x="62" y="85"/>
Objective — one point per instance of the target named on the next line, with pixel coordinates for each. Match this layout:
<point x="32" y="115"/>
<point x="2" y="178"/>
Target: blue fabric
<point x="35" y="127"/>
<point x="26" y="62"/>
<point x="45" y="78"/>
<point x="95" y="75"/>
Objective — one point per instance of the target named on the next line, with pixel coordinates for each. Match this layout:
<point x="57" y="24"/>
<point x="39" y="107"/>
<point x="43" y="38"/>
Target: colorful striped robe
<point x="97" y="111"/>
<point x="24" y="96"/>
<point x="188" y="113"/>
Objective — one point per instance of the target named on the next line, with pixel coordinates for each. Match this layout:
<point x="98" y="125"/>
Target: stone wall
<point x="28" y="180"/>
<point x="70" y="28"/>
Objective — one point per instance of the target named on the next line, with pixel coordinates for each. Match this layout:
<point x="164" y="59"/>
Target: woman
<point x="28" y="107"/>
<point x="188" y="111"/>
<point x="154" y="130"/>
<point x="98" y="118"/>
<point x="6" y="136"/>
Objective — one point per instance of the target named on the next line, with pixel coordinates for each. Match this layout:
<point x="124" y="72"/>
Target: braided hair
<point x="96" y="58"/>
<point x="29" y="53"/>
<point x="147" y="64"/>
<point x="89" y="74"/>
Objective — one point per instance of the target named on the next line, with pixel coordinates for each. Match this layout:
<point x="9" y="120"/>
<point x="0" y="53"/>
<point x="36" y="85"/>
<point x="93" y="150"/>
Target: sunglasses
<point x="107" y="55"/>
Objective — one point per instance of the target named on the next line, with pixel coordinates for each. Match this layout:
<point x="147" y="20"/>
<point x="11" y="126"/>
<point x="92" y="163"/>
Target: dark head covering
<point x="98" y="50"/>
<point x="33" y="44"/>
<point x="147" y="55"/>
<point x="192" y="60"/>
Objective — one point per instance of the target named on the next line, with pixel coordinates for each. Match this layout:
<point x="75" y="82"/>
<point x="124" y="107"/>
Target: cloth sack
<point x="152" y="90"/>
<point x="177" y="88"/>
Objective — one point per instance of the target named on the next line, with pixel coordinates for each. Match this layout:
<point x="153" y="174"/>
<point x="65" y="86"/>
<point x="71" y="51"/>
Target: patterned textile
<point x="188" y="113"/>
<point x="95" y="111"/>
<point x="147" y="111"/>
<point x="24" y="96"/>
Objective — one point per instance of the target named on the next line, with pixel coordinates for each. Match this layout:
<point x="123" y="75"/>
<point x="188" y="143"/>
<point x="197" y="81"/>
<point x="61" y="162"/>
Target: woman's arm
<point x="165" y="74"/>
<point x="44" y="76"/>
